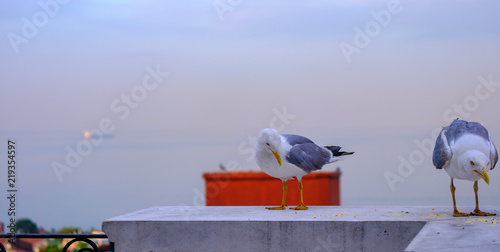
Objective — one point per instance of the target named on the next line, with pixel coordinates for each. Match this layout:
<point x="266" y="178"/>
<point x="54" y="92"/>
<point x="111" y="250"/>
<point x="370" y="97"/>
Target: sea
<point x="63" y="179"/>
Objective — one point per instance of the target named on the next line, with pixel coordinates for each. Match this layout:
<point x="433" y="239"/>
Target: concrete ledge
<point x="464" y="234"/>
<point x="321" y="228"/>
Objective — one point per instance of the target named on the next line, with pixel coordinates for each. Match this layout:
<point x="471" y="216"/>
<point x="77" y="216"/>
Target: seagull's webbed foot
<point x="456" y="213"/>
<point x="283" y="200"/>
<point x="478" y="212"/>
<point x="300" y="207"/>
<point x="282" y="207"/>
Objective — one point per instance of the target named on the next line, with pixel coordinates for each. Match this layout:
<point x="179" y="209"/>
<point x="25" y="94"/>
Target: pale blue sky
<point x="263" y="54"/>
<point x="227" y="76"/>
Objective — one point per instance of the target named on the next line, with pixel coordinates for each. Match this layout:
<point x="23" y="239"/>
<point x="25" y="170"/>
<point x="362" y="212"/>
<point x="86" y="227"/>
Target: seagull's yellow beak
<point x="276" y="155"/>
<point x="484" y="175"/>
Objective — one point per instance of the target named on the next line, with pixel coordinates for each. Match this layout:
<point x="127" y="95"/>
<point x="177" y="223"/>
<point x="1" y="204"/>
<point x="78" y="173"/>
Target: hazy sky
<point x="373" y="76"/>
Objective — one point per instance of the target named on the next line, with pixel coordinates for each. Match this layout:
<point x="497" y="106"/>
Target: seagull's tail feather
<point x="337" y="155"/>
<point x="336" y="151"/>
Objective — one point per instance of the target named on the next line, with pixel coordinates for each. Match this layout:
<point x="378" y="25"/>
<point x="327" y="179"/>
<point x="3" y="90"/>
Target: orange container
<point x="259" y="189"/>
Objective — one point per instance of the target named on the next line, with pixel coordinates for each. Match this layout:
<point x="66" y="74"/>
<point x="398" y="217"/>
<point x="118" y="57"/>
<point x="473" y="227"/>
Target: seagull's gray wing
<point x="493" y="155"/>
<point x="442" y="151"/>
<point x="478" y="129"/>
<point x="296" y="139"/>
<point x="459" y="128"/>
<point x="308" y="157"/>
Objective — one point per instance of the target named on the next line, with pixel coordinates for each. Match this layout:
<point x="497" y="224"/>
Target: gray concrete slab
<point x="461" y="234"/>
<point x="321" y="228"/>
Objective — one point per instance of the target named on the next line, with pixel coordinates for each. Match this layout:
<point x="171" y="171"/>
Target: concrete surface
<point x="321" y="228"/>
<point x="464" y="234"/>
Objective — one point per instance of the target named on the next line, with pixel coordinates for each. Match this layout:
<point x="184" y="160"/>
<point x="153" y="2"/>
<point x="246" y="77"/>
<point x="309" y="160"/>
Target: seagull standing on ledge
<point x="301" y="157"/>
<point x="465" y="151"/>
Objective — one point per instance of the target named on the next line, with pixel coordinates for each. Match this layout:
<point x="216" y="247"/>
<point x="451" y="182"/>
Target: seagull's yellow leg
<point x="477" y="211"/>
<point x="456" y="213"/>
<point x="283" y="206"/>
<point x="301" y="206"/>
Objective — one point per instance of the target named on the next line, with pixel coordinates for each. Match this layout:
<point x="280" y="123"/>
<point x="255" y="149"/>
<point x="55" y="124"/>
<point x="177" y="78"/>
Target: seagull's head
<point x="270" y="140"/>
<point x="476" y="162"/>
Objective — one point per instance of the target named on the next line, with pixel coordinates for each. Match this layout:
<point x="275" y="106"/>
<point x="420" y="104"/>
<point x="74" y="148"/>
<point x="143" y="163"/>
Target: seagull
<point x="301" y="157"/>
<point x="222" y="167"/>
<point x="465" y="151"/>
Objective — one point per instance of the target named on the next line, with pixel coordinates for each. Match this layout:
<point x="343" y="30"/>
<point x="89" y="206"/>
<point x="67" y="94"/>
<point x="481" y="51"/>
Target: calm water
<point x="136" y="169"/>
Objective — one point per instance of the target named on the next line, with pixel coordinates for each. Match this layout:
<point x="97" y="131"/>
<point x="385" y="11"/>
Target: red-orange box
<point x="259" y="189"/>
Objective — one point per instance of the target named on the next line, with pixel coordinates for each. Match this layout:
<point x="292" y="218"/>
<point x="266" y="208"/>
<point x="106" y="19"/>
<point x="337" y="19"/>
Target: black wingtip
<point x="344" y="153"/>
<point x="336" y="151"/>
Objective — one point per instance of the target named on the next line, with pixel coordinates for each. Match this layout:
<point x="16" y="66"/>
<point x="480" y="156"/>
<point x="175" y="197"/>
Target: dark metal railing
<point x="75" y="238"/>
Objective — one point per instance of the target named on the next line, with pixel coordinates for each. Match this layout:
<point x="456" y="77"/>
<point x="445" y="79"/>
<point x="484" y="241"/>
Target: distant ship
<point x="87" y="134"/>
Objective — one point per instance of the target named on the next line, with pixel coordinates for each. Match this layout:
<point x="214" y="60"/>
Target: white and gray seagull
<point x="301" y="157"/>
<point x="465" y="151"/>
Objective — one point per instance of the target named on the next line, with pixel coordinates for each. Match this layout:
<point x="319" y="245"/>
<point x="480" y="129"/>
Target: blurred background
<point x="116" y="106"/>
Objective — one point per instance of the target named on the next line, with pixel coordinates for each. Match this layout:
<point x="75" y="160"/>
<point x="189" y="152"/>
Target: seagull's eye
<point x="472" y="163"/>
<point x="267" y="144"/>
